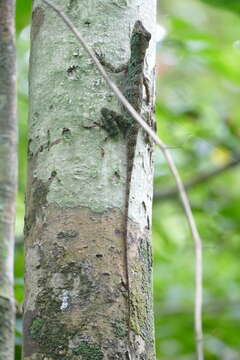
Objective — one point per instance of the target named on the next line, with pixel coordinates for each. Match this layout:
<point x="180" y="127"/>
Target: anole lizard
<point x="115" y="123"/>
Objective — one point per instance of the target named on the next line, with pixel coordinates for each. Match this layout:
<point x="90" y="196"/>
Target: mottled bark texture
<point x="8" y="175"/>
<point x="77" y="304"/>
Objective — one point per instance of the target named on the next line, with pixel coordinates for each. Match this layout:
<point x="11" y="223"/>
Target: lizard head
<point x="140" y="38"/>
<point x="140" y="29"/>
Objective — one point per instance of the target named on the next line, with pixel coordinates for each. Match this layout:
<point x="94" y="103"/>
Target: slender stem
<point x="169" y="159"/>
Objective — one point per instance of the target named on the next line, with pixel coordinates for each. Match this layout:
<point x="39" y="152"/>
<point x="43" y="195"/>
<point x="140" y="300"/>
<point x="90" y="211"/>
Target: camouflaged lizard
<point x="115" y="123"/>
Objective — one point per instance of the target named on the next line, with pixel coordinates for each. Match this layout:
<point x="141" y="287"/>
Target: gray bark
<point x="77" y="304"/>
<point x="8" y="175"/>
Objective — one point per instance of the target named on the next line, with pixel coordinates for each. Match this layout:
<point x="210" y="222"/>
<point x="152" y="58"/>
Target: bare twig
<point x="173" y="192"/>
<point x="216" y="306"/>
<point x="179" y="184"/>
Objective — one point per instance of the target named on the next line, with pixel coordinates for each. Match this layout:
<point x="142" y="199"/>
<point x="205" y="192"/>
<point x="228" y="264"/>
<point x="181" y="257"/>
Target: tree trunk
<point x="8" y="175"/>
<point x="79" y="303"/>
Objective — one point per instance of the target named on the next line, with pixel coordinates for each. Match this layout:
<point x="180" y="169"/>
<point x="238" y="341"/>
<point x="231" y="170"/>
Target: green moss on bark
<point x="89" y="351"/>
<point x="39" y="199"/>
<point x="120" y="329"/>
<point x="35" y="329"/>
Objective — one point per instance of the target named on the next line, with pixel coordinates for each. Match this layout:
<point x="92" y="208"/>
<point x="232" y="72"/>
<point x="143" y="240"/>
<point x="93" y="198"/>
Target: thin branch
<point x="173" y="192"/>
<point x="169" y="159"/>
<point x="210" y="307"/>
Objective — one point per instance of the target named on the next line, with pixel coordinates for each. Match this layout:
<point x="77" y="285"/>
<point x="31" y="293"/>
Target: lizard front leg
<point x="111" y="68"/>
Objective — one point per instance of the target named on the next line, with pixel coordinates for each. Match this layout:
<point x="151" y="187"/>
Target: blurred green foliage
<point x="23" y="13"/>
<point x="198" y="115"/>
<point x="232" y="5"/>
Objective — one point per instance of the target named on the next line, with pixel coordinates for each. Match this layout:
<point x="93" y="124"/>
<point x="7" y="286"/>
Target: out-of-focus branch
<point x="171" y="193"/>
<point x="8" y="175"/>
<point x="209" y="308"/>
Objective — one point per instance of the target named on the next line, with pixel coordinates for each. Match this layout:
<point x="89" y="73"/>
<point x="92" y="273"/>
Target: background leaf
<point x="232" y="5"/>
<point x="23" y="13"/>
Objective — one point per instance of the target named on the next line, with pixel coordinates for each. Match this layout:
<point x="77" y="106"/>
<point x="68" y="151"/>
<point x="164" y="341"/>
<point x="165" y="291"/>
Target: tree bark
<point x="77" y="303"/>
<point x="8" y="175"/>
